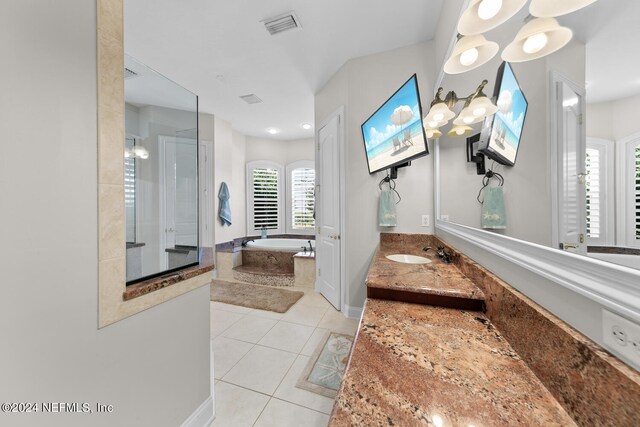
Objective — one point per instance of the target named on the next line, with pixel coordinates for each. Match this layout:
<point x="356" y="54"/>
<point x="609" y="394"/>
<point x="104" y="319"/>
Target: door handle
<point x="566" y="246"/>
<point x="334" y="236"/>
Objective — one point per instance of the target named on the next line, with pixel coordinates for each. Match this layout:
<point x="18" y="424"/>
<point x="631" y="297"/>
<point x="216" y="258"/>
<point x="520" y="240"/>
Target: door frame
<point x="554" y="78"/>
<point x="340" y="114"/>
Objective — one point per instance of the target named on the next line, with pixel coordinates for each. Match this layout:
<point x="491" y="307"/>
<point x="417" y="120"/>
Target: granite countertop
<point x="437" y="279"/>
<point x="415" y="364"/>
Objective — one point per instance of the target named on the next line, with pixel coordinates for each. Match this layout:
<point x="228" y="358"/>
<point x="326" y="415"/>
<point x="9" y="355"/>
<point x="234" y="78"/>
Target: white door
<point x="572" y="221"/>
<point x="205" y="171"/>
<point x="168" y="214"/>
<point x="328" y="212"/>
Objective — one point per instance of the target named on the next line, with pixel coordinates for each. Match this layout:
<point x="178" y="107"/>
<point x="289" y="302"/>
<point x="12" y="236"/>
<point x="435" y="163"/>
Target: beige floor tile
<point x="314" y="341"/>
<point x="279" y="413"/>
<point x="226" y="353"/>
<point x="288" y="391"/>
<point x="221" y="320"/>
<point x="237" y="406"/>
<point x="314" y="299"/>
<point x="337" y="322"/>
<point x="230" y="307"/>
<point x="266" y="314"/>
<point x="287" y="336"/>
<point x="249" y="329"/>
<point x="261" y="369"/>
<point x="304" y="314"/>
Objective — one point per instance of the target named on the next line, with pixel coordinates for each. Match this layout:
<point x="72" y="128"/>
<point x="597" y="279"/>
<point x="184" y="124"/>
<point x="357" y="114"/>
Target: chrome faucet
<point x="310" y="246"/>
<point x="443" y="255"/>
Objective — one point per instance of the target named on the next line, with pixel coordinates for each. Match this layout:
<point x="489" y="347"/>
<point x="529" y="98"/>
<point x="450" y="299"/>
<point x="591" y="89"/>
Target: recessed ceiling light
<point x="306" y="126"/>
<point x="273" y="131"/>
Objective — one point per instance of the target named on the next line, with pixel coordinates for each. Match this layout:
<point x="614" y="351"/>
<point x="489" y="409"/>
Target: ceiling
<point x="612" y="35"/>
<point x="220" y="50"/>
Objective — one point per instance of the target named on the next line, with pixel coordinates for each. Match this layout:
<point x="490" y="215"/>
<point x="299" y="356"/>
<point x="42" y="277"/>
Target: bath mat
<point x="254" y="296"/>
<point x="326" y="367"/>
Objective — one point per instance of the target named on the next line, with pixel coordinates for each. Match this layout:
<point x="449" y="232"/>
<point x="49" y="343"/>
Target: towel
<point x="224" y="211"/>
<point x="493" y="212"/>
<point x="387" y="209"/>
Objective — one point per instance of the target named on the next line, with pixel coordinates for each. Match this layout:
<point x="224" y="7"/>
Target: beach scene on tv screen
<point x="394" y="132"/>
<point x="508" y="121"/>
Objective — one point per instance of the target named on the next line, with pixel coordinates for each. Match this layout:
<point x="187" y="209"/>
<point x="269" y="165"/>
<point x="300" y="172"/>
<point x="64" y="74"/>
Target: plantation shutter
<point x="266" y="198"/>
<point x="594" y="195"/>
<point x="302" y="198"/>
<point x="637" y="192"/>
<point x="130" y="197"/>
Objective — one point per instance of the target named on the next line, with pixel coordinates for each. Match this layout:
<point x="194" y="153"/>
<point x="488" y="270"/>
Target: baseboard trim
<point x="203" y="416"/>
<point x="352" y="312"/>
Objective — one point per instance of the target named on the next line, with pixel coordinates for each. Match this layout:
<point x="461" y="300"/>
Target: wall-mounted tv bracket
<point x="473" y="156"/>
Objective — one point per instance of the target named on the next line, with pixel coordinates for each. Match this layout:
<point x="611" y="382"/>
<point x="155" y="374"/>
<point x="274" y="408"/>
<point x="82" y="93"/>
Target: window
<point x="636" y="193"/>
<point x="281" y="202"/>
<point x="599" y="192"/>
<point x="594" y="214"/>
<point x="264" y="197"/>
<point x="629" y="191"/>
<point x="301" y="181"/>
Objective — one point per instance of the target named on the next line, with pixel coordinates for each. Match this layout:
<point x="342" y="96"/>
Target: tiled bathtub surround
<point x="276" y="261"/>
<point x="422" y="365"/>
<point x="595" y="388"/>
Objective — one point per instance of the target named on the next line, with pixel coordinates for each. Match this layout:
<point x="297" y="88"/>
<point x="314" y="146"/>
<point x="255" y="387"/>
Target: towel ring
<point x="485" y="182"/>
<point x="392" y="186"/>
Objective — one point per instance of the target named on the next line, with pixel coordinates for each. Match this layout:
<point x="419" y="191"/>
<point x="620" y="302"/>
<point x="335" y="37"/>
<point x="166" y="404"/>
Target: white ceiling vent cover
<point x="251" y="99"/>
<point x="281" y="23"/>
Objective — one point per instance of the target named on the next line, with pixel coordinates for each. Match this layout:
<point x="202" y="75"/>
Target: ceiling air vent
<point x="129" y="74"/>
<point x="281" y="23"/>
<point x="251" y="99"/>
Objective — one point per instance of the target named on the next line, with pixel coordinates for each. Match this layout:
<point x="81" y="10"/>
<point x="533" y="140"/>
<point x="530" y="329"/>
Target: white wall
<point x="362" y="85"/>
<point x="229" y="158"/>
<point x="152" y="367"/>
<point x="614" y="120"/>
<point x="282" y="152"/>
<point x="527" y="184"/>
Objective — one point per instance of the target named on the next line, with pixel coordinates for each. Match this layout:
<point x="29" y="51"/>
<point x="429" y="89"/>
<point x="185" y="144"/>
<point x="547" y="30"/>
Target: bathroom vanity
<point x="425" y="354"/>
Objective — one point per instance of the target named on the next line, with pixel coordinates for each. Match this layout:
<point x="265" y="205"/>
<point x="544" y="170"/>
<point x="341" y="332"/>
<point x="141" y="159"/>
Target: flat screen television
<point x="501" y="133"/>
<point x="394" y="134"/>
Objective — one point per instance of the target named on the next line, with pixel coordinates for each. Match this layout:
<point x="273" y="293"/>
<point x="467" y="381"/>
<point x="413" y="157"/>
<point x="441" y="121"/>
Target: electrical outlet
<point x="444" y="218"/>
<point x="426" y="221"/>
<point x="622" y="337"/>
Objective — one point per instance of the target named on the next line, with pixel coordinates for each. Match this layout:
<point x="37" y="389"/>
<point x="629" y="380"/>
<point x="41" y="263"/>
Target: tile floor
<point x="259" y="356"/>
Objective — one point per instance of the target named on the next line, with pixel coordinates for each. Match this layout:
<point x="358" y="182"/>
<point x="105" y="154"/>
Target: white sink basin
<point x="408" y="259"/>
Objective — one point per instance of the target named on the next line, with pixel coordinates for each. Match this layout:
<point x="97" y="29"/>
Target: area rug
<point x="326" y="367"/>
<point x="254" y="296"/>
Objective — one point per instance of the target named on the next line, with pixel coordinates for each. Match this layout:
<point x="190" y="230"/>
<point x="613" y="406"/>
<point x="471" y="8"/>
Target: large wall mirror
<point x="575" y="185"/>
<point x="161" y="173"/>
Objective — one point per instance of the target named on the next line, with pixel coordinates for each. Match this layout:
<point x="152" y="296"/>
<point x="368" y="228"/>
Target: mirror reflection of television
<point x="501" y="133"/>
<point x="394" y="134"/>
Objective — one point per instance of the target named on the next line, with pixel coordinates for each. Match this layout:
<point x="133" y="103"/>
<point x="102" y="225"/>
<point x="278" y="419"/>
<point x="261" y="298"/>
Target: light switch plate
<point x="426" y="221"/>
<point x="621" y="337"/>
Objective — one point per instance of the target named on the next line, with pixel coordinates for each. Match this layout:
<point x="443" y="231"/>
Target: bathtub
<point x="281" y="244"/>
<point x="632" y="261"/>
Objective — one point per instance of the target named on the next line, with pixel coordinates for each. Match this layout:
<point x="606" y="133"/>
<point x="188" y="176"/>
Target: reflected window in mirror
<point x="161" y="174"/>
